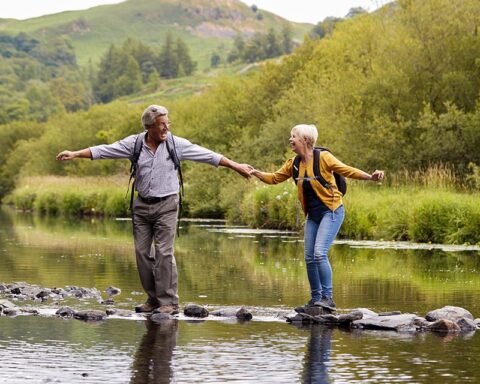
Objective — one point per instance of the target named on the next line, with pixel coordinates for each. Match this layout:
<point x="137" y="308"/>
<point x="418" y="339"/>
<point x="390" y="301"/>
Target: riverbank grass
<point x="377" y="212"/>
<point x="422" y="213"/>
<point x="72" y="196"/>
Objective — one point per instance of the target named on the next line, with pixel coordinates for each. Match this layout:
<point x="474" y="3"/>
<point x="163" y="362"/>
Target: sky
<point x="309" y="11"/>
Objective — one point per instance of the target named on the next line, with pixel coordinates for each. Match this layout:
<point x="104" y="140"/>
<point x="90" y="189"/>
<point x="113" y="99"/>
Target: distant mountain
<point x="205" y="25"/>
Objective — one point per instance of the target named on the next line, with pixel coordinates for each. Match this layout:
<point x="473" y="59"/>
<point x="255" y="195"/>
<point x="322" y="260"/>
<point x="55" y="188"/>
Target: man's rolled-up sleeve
<point x="121" y="149"/>
<point x="194" y="152"/>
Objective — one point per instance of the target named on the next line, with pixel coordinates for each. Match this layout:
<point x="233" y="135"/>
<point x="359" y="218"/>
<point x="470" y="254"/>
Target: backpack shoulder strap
<point x="172" y="150"/>
<point x="295" y="170"/>
<point x="316" y="167"/>
<point x="137" y="148"/>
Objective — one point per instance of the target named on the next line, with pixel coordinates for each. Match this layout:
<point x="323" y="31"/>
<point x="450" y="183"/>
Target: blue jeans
<point x="318" y="240"/>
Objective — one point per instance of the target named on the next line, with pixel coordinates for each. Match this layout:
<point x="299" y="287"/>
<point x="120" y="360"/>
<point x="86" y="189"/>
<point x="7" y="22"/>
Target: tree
<point x="167" y="61"/>
<point x="143" y="55"/>
<point x="255" y="48"/>
<point x="103" y="85"/>
<point x="355" y="12"/>
<point x="182" y="55"/>
<point x="287" y="42"/>
<point x="238" y="49"/>
<point x="130" y="78"/>
<point x="272" y="44"/>
<point x="325" y="27"/>
<point x="215" y="60"/>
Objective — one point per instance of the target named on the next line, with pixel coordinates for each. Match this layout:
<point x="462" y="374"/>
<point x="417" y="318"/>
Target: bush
<point x="72" y="204"/>
<point x="48" y="203"/>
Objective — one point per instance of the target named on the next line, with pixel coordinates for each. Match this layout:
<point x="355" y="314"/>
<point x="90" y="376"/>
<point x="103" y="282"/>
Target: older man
<point x="154" y="211"/>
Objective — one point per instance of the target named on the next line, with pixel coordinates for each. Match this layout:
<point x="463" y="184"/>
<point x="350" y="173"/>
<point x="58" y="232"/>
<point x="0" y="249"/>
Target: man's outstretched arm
<point x="70" y="155"/>
<point x="242" y="169"/>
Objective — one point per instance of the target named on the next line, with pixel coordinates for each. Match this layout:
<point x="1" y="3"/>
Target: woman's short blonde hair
<point x="307" y="132"/>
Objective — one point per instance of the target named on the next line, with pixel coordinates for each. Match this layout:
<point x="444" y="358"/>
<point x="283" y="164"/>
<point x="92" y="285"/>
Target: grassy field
<point x="171" y="89"/>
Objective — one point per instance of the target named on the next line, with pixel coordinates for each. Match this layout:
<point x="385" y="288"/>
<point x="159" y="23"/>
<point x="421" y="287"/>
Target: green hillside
<point x="205" y="25"/>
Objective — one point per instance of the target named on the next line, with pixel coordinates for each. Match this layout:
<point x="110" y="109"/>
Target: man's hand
<point x="70" y="155"/>
<point x="66" y="155"/>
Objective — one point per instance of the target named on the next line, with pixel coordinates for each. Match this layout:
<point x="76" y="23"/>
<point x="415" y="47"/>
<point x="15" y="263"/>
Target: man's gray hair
<point x="308" y="132"/>
<point x="151" y="113"/>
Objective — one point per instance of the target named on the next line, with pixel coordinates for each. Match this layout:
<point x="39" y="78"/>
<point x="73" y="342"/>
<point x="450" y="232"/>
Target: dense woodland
<point x="397" y="89"/>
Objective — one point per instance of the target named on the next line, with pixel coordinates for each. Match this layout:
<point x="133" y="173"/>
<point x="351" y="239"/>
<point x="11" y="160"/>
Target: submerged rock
<point x="90" y="315"/>
<point x="113" y="291"/>
<point x="119" y="312"/>
<point x="241" y="314"/>
<point x="161" y="317"/>
<point x="444" y="326"/>
<point x="195" y="310"/>
<point x="466" y="325"/>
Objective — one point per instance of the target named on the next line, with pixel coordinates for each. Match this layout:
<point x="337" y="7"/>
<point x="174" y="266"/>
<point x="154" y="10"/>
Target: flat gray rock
<point x="402" y="323"/>
<point x="366" y="312"/>
<point x="449" y="313"/>
<point x="7" y="304"/>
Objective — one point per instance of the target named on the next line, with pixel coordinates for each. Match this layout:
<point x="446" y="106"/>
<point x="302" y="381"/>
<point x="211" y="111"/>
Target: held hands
<point x="244" y="170"/>
<point x="255" y="172"/>
<point x="377" y="175"/>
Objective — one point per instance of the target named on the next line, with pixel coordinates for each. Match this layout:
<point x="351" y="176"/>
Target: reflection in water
<point x="153" y="359"/>
<point x="317" y="356"/>
<point x="224" y="270"/>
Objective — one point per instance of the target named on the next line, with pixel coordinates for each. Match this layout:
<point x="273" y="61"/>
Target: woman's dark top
<point x="315" y="207"/>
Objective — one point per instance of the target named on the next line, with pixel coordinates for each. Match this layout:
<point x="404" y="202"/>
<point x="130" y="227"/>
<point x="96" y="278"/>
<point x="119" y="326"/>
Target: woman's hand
<point x="258" y="174"/>
<point x="377" y="175"/>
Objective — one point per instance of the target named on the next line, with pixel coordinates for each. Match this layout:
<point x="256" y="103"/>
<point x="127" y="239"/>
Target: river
<point x="223" y="266"/>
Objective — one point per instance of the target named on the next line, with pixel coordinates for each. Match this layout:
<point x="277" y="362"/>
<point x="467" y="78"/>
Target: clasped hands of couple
<point x="247" y="171"/>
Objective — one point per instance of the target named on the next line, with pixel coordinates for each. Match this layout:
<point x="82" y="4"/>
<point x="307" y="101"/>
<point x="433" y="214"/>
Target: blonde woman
<point x="322" y="205"/>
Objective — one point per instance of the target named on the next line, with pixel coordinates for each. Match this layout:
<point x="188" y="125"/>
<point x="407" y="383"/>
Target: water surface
<point x="230" y="266"/>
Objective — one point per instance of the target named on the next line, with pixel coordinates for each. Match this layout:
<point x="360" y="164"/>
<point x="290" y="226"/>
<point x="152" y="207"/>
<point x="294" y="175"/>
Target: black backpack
<point x="339" y="179"/>
<point x="172" y="154"/>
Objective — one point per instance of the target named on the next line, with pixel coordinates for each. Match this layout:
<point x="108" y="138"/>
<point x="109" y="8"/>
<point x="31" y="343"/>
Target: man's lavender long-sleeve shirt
<point x="156" y="175"/>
